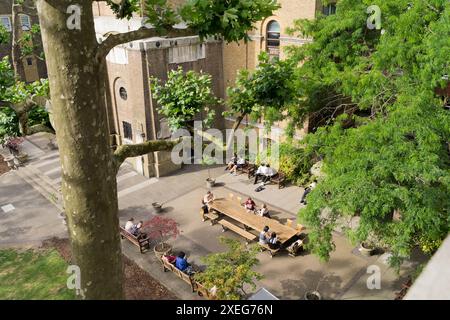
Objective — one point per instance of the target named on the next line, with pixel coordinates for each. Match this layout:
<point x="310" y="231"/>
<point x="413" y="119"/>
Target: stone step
<point x="42" y="184"/>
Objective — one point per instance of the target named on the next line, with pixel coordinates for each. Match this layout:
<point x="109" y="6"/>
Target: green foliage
<point x="27" y="45"/>
<point x="160" y="14"/>
<point x="5" y="36"/>
<point x="9" y="125"/>
<point x="124" y="9"/>
<point x="295" y="163"/>
<point x="388" y="150"/>
<point x="267" y="92"/>
<point x="231" y="19"/>
<point x="183" y="96"/>
<point x="38" y="115"/>
<point x="229" y="271"/>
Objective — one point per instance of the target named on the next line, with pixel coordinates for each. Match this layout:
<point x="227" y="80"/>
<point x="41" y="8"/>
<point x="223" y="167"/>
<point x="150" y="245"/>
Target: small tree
<point x="231" y="270"/>
<point x="183" y="96"/>
<point x="161" y="229"/>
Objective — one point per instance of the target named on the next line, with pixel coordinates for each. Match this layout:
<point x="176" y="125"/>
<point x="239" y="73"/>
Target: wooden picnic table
<point x="234" y="210"/>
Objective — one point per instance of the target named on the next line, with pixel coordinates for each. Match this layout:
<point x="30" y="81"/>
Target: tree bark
<point x="236" y="125"/>
<point x="89" y="186"/>
<point x="15" y="46"/>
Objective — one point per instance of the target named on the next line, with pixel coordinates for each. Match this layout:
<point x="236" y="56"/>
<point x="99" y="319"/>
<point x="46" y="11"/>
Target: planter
<point x="157" y="207"/>
<point x="10" y="162"/>
<point x="210" y="183"/>
<point x="22" y="158"/>
<point x="366" y="250"/>
<point x="313" y="295"/>
<point x="162" y="249"/>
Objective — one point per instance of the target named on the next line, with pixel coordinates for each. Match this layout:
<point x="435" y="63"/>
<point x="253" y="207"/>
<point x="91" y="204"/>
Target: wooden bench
<point x="279" y="179"/>
<point x="213" y="216"/>
<point x="228" y="225"/>
<point x="271" y="251"/>
<point x="249" y="169"/>
<point x="143" y="244"/>
<point x="203" y="292"/>
<point x="189" y="279"/>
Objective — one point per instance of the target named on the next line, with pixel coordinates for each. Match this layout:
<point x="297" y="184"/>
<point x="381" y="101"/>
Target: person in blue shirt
<point x="182" y="264"/>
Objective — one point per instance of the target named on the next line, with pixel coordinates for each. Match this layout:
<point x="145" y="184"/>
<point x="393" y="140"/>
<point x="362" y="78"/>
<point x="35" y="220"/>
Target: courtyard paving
<point x="344" y="276"/>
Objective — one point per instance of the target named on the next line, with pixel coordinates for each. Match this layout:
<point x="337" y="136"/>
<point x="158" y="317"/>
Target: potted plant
<point x="157" y="206"/>
<point x="315" y="294"/>
<point x="210" y="182"/>
<point x="366" y="248"/>
<point x="13" y="144"/>
<point x="161" y="229"/>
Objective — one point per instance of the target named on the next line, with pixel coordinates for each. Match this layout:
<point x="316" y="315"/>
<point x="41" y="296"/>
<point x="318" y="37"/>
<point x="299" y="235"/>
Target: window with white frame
<point x="6" y="22"/>
<point x="25" y="22"/>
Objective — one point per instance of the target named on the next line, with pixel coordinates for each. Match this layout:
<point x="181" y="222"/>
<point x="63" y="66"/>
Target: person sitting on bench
<point x="264" y="212"/>
<point x="232" y="163"/>
<point x="263" y="235"/>
<point x="307" y="191"/>
<point x="204" y="207"/>
<point x="171" y="259"/>
<point x="250" y="205"/>
<point x="239" y="164"/>
<point x="136" y="231"/>
<point x="129" y="226"/>
<point x="182" y="264"/>
<point x="270" y="173"/>
<point x="273" y="241"/>
<point x="261" y="173"/>
<point x="208" y="198"/>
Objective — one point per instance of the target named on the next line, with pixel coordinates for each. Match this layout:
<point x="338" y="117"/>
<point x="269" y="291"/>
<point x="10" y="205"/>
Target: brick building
<point x="133" y="115"/>
<point x="31" y="68"/>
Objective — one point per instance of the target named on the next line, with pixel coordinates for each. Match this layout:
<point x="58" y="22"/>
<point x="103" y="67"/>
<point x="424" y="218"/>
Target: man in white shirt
<point x="129" y="226"/>
<point x="261" y="173"/>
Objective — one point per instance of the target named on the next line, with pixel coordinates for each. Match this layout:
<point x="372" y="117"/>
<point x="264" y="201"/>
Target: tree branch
<point x="135" y="150"/>
<point x="116" y="39"/>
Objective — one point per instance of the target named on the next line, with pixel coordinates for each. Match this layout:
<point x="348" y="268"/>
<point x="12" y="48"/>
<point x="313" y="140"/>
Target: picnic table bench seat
<point x="143" y="244"/>
<point x="189" y="279"/>
<point x="279" y="179"/>
<point x="242" y="232"/>
<point x="265" y="247"/>
<point x="212" y="215"/>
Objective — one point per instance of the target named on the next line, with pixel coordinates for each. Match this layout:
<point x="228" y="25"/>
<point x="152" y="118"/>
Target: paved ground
<point x="35" y="218"/>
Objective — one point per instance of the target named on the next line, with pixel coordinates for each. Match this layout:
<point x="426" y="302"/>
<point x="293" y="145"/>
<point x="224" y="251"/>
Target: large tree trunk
<point x="89" y="186"/>
<point x="15" y="47"/>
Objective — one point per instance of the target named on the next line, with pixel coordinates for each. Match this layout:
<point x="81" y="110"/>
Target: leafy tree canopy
<point x="231" y="270"/>
<point x="385" y="142"/>
<point x="184" y="96"/>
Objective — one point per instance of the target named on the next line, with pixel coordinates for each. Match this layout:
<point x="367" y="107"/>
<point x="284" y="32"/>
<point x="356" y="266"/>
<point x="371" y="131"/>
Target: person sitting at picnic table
<point x="261" y="173"/>
<point x="307" y="191"/>
<point x="239" y="164"/>
<point x="250" y="205"/>
<point x="263" y="235"/>
<point x="208" y="198"/>
<point x="273" y="241"/>
<point x="182" y="264"/>
<point x="264" y="212"/>
<point x="129" y="225"/>
<point x="232" y="163"/>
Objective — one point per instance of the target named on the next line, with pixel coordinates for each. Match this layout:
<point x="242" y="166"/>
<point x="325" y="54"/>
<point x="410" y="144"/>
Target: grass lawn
<point x="33" y="274"/>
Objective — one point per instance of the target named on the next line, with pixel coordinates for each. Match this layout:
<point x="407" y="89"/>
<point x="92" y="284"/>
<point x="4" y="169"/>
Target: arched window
<point x="273" y="38"/>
